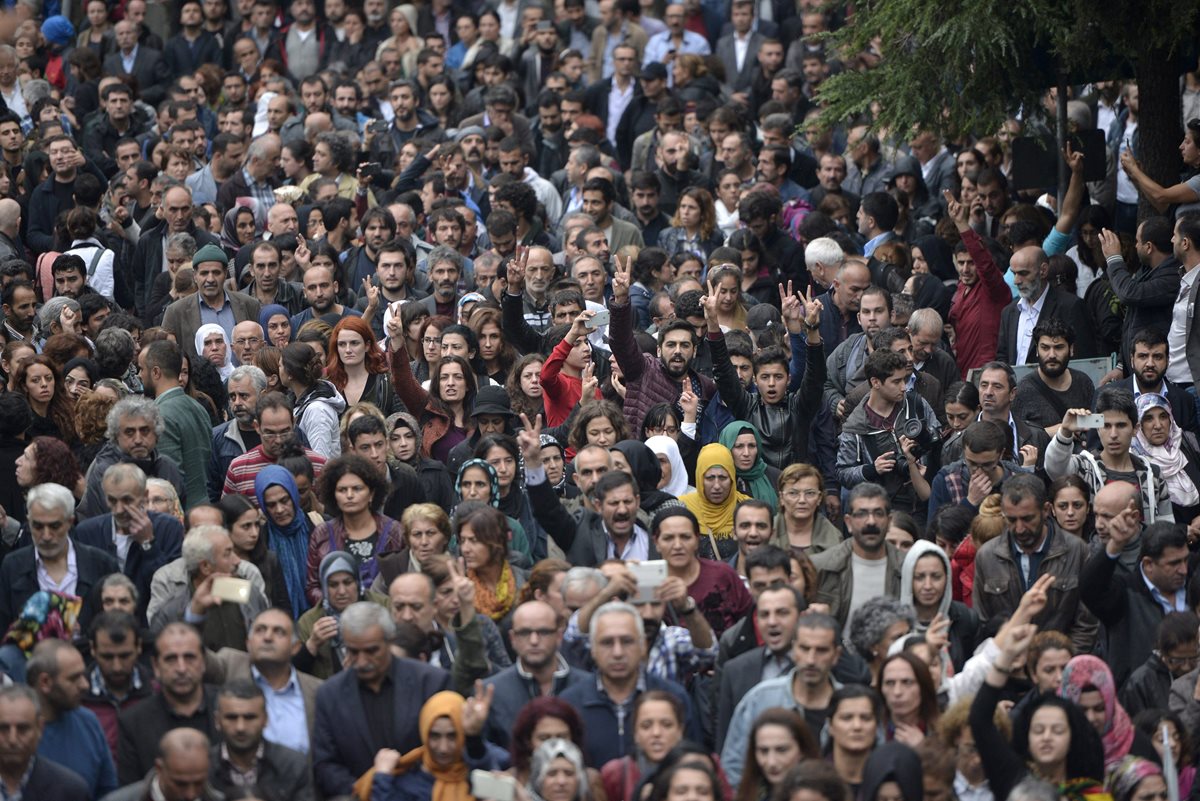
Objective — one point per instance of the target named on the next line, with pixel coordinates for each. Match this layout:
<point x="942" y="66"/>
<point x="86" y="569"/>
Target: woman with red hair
<point x="358" y="368"/>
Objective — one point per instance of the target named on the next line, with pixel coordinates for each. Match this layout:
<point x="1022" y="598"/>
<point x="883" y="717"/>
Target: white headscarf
<point x="663" y="445"/>
<point x="202" y="333"/>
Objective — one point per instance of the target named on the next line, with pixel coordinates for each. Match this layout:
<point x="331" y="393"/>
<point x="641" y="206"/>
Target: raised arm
<point x="518" y="331"/>
<point x="1073" y="198"/>
<point x="403" y="381"/>
<point x="620" y="326"/>
<point x="733" y="394"/>
<point x="989" y="274"/>
<point x="1160" y="197"/>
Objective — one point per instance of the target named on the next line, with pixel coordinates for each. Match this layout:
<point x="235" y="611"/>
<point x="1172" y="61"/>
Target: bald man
<point x="1038" y="301"/>
<point x="247" y="341"/>
<point x="1111" y="501"/>
<point x="840" y="305"/>
<point x="539" y="670"/>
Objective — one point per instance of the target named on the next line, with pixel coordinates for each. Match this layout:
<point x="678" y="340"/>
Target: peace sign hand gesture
<point x="476" y="708"/>
<point x="792" y="309"/>
<point x="530" y="440"/>
<point x="622" y="279"/>
<point x="812" y="310"/>
<point x="709" y="303"/>
<point x="516" y="271"/>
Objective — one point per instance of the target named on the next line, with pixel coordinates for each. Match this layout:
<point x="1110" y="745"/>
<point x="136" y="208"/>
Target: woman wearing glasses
<point x="800" y="527"/>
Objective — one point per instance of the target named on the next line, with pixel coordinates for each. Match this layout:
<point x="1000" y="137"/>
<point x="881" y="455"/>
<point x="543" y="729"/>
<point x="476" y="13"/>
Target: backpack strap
<point x="99" y="254"/>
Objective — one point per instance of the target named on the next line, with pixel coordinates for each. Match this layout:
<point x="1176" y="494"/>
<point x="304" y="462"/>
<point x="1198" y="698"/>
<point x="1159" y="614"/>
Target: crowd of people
<point x="517" y="401"/>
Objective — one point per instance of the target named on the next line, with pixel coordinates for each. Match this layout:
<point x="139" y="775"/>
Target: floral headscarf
<point x="1170" y="458"/>
<point x="1087" y="673"/>
<point x="492" y="477"/>
<point x="46" y="615"/>
<point x="1124" y="779"/>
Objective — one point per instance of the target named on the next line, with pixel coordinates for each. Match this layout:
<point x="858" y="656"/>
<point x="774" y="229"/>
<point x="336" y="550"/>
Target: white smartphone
<point x="1089" y="421"/>
<point x="232" y="589"/>
<point x="649" y="575"/>
<point x="598" y="320"/>
<point x="486" y="786"/>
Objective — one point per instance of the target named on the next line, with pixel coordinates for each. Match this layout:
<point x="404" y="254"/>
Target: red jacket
<point x="559" y="392"/>
<point x="975" y="310"/>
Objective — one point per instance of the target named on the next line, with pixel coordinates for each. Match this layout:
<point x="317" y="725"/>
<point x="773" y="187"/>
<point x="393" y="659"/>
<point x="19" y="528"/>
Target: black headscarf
<point x="939" y="256"/>
<point x="930" y="293"/>
<point x="646" y="471"/>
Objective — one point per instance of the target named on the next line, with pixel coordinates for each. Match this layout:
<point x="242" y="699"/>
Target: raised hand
<point x="622" y="279"/>
<point x="792" y="309"/>
<point x="579" y="328"/>
<point x="394" y="327"/>
<point x="1110" y="243"/>
<point x="590" y="382"/>
<point x="371" y="291"/>
<point x="530" y="440"/>
<point x="1123" y="528"/>
<point x="464" y="588"/>
<point x="476" y="708"/>
<point x="955" y="210"/>
<point x="1070" y="421"/>
<point x="1034" y="600"/>
<point x="1074" y="158"/>
<point x="812" y="310"/>
<point x="516" y="271"/>
<point x="386" y="760"/>
<point x="938" y="633"/>
<point x="709" y="303"/>
<point x="303" y="255"/>
<point x="690" y="405"/>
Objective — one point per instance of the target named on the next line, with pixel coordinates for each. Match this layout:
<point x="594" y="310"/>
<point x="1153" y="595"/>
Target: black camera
<point x="916" y="430"/>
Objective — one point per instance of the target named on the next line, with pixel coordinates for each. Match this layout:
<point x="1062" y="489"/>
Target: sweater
<point x="76" y="739"/>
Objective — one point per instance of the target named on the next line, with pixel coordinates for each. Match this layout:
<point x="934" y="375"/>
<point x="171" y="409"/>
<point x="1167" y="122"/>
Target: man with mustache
<point x="1044" y="395"/>
<point x="864" y="566"/>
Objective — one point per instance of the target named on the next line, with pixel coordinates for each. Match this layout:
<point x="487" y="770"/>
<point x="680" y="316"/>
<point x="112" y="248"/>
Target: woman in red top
<point x="562" y="373"/>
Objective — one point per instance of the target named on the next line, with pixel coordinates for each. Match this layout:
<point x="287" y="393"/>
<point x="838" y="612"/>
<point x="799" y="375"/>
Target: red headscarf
<point x="1084" y="674"/>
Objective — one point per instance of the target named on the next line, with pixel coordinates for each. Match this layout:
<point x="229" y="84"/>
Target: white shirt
<point x="69" y="579"/>
<point x="927" y="167"/>
<point x="618" y="100"/>
<point x="741" y="46"/>
<point x="1177" y="364"/>
<point x="510" y="18"/>
<point x="1028" y="321"/>
<point x="965" y="791"/>
<point x="637" y="548"/>
<point x="1126" y="191"/>
<point x="16" y="101"/>
<point x="122" y="542"/>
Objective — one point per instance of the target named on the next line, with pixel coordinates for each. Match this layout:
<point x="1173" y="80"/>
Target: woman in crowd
<point x="694" y="227"/>
<point x="13" y="355"/>
<point x="716" y="588"/>
<point x="598" y="422"/>
<point x="524" y="385"/>
<point x="402" y="23"/>
<point x="238" y="229"/>
<point x="640" y="462"/>
<point x="318" y="403"/>
<point x="48" y="460"/>
<point x="412" y="320"/>
<point x="244" y="523"/>
<point x="729" y="194"/>
<point x="1136" y="779"/>
<point x="212" y="343"/>
<point x="1151" y="723"/>
<point x="161" y="497"/>
<point x="902" y="531"/>
<point x="928" y="292"/>
<point x="812" y="780"/>
<point x="478" y="481"/>
<point x="98" y="260"/>
<point x="726" y="283"/>
<point x="1071" y="505"/>
<point x="658" y="726"/>
<point x="287" y="531"/>
<point x="715" y="499"/>
<point x="451" y="746"/>
<point x="459" y="340"/>
<point x="427" y="533"/>
<point x="760" y="278"/>
<point x="504" y="455"/>
<point x="1162" y="441"/>
<point x="1051" y="739"/>
<point x="404" y="441"/>
<point x="909" y="698"/>
<point x="855" y="714"/>
<point x="483" y="535"/>
<point x="324" y="652"/>
<point x="495" y="352"/>
<point x="543" y="719"/>
<point x="353" y="491"/>
<point x="53" y="412"/>
<point x="268" y="360"/>
<point x="778" y="740"/>
<point x="98" y="35"/>
<point x="557" y="773"/>
<point x="925" y="585"/>
<point x="894" y="772"/>
<point x="277" y="324"/>
<point x="754" y="477"/>
<point x="1088" y="682"/>
<point x="690" y="778"/>
<point x="80" y="374"/>
<point x="674" y="479"/>
<point x="875" y="626"/>
<point x="358" y="368"/>
<point x="961" y="407"/>
<point x="295" y="159"/>
<point x="442" y="101"/>
<point x="91" y="421"/>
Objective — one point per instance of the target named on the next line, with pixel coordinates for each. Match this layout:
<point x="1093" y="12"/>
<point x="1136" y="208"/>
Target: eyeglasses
<point x="275" y="435"/>
<point x="670" y="431"/>
<point x="246" y="341"/>
<point x="863" y="514"/>
<point x="1180" y="661"/>
<point x="431" y="340"/>
<point x="795" y="495"/>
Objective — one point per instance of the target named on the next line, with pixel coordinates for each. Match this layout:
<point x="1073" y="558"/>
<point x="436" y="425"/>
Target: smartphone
<point x="486" y="786"/>
<point x="649" y="575"/>
<point x="1089" y="421"/>
<point x="371" y="169"/>
<point x="232" y="589"/>
<point x="379" y="126"/>
<point x="598" y="320"/>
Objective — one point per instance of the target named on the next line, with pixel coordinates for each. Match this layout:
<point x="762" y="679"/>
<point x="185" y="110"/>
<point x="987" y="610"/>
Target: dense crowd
<point x="515" y="401"/>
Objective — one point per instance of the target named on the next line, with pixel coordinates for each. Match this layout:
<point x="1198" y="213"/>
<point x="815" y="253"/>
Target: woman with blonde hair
<point x="725" y="282"/>
<point x="694" y="226"/>
<point x="987" y="525"/>
<point x="402" y="21"/>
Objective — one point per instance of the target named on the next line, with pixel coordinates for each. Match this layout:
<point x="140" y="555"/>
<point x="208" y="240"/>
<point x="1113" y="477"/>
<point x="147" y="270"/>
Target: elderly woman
<point x="427" y="533"/>
<point x="715" y="499"/>
<point x="483" y="536"/>
<point x="212" y="343"/>
<point x="161" y="497"/>
<point x="1160" y="439"/>
<point x="875" y="626"/>
<point x="353" y="491"/>
<point x="557" y="773"/>
<point x="323" y="653"/>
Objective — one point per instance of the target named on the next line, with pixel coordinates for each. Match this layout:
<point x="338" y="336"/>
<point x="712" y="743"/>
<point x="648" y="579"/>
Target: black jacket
<point x="140" y="727"/>
<point x="1148" y="296"/>
<point x="283" y="775"/>
<point x="184" y="58"/>
<point x="140" y="564"/>
<point x="584" y="541"/>
<point x="148" y="256"/>
<point x="1122" y="602"/>
<point x="18" y="581"/>
<point x="1058" y="304"/>
<point x="50" y="781"/>
<point x="1149" y="687"/>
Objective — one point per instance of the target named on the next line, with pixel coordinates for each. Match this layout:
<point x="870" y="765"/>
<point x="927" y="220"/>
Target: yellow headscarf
<point x="715" y="519"/>
<point x="449" y="781"/>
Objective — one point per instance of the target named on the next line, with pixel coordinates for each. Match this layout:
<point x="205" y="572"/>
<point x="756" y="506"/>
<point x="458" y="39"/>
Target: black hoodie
<point x="893" y="762"/>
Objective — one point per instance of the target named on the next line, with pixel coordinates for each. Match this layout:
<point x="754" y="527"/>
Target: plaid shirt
<point x="673" y="656"/>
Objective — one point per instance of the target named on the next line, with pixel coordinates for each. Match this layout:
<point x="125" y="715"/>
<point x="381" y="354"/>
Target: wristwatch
<point x="689" y="607"/>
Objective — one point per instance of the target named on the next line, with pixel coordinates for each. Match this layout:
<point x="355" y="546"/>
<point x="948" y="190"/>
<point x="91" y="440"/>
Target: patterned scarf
<point x="495" y="603"/>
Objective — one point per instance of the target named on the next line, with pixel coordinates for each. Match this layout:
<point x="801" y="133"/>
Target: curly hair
<point x="375" y="362"/>
<point x="544" y="706"/>
<point x="91" y="416"/>
<point x="61" y="348"/>
<point x="522" y="403"/>
<point x="54" y="463"/>
<point x="872" y="620"/>
<point x="594" y="410"/>
<point x="61" y="409"/>
<point x="340" y="151"/>
<point x="351" y="464"/>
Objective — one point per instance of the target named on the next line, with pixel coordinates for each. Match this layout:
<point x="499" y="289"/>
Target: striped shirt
<point x="239" y="479"/>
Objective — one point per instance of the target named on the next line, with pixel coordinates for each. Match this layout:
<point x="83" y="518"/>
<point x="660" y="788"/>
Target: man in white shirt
<point x="1183" y="338"/>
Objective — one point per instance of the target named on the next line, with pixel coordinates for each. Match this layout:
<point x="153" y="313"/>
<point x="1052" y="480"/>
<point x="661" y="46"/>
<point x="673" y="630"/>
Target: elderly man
<point x="181" y="770"/>
<point x="1037" y="302"/>
<point x="208" y="555"/>
<point x="182" y="701"/>
<point x="279" y="772"/>
<point x="149" y="256"/>
<point x="234" y="437"/>
<point x="23" y="772"/>
<point x="618" y="649"/>
<point x="248" y="338"/>
<point x="926" y="329"/>
<point x="379" y="698"/>
<point x="268" y="286"/>
<point x="134" y="426"/>
<point x="291" y="696"/>
<point x="539" y="670"/>
<point x="54" y="563"/>
<point x="171" y="582"/>
<point x="70" y="735"/>
<point x="212" y="304"/>
<point x="256" y="179"/>
<point x="141" y="540"/>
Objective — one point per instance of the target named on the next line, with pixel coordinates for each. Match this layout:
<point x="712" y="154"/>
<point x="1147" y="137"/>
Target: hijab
<point x="1171" y="460"/>
<point x="756" y="477"/>
<point x="203" y="333"/>
<point x="267" y="313"/>
<point x="544" y="757"/>
<point x="492" y="477"/>
<point x="647" y="472"/>
<point x="930" y="293"/>
<point x="290" y="544"/>
<point x="337" y="562"/>
<point x="449" y="781"/>
<point x="1124" y="779"/>
<point x="938" y="256"/>
<point x="405" y="419"/>
<point x="715" y="519"/>
<point x="229" y="237"/>
<point x="1084" y="673"/>
<point x="546" y="440"/>
<point x="662" y="445"/>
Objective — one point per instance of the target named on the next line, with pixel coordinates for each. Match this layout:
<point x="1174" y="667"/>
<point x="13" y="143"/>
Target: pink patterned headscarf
<point x="1086" y="673"/>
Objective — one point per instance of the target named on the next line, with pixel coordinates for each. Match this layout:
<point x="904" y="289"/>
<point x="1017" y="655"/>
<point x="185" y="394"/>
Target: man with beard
<point x="378" y="227"/>
<point x="182" y="700"/>
<point x="598" y="198"/>
<point x="445" y="266"/>
<point x="395" y="269"/>
<point x="234" y="437"/>
<point x="149" y="254"/>
<point x="70" y="735"/>
<point x="1044" y="395"/>
<point x="981" y="469"/>
<point x="20" y="768"/>
<point x="807" y="688"/>
<point x="214" y="303"/>
<point x="981" y="296"/>
<point x="275" y="428"/>
<point x="1148" y="357"/>
<point x="649" y="379"/>
<point x="549" y="134"/>
<point x="776" y="613"/>
<point x="193" y="45"/>
<point x="1038" y="301"/>
<point x="141" y="540"/>
<point x="1032" y="551"/>
<point x="674" y="172"/>
<point x="117" y="680"/>
<point x="539" y="669"/>
<point x="305" y="44"/>
<point x="865" y="565"/>
<point x="321" y="291"/>
<point x="645" y="189"/>
<point x="268" y="286"/>
<point x="1149" y="296"/>
<point x="133" y="431"/>
<point x="279" y="772"/>
<point x="408" y="122"/>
